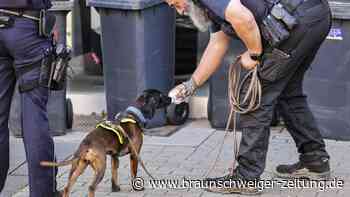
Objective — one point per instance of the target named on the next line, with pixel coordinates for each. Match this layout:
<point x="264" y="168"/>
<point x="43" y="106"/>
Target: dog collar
<point x="136" y="112"/>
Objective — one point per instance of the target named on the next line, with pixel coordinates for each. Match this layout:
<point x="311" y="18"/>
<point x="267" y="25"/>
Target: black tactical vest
<point x="25" y="4"/>
<point x="259" y="8"/>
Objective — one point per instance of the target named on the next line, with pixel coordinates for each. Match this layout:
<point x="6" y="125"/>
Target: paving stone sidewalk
<point x="190" y="153"/>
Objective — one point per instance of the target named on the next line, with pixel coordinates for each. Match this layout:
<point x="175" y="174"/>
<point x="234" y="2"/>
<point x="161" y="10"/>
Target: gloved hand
<point x="183" y="91"/>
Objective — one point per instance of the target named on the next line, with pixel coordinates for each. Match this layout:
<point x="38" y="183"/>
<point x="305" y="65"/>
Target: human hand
<point x="247" y="62"/>
<point x="183" y="91"/>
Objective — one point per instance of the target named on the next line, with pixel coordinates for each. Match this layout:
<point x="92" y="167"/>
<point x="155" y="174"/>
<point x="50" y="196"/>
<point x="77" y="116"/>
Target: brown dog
<point x="101" y="142"/>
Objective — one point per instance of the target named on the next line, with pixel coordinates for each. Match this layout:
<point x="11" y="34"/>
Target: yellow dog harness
<point x="115" y="128"/>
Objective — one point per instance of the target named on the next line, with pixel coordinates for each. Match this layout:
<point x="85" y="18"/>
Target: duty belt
<point x="30" y="14"/>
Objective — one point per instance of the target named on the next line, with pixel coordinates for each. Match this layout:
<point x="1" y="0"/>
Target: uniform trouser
<point x="21" y="46"/>
<point x="286" y="87"/>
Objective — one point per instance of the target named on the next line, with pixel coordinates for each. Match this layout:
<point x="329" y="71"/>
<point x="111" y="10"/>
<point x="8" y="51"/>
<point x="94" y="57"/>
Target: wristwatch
<point x="256" y="57"/>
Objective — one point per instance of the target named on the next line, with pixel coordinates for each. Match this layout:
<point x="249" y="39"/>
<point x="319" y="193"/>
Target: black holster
<point x="58" y="73"/>
<point x="45" y="68"/>
<point x="54" y="68"/>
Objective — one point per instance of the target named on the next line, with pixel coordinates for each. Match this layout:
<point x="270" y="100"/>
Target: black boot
<point x="230" y="184"/>
<point x="315" y="170"/>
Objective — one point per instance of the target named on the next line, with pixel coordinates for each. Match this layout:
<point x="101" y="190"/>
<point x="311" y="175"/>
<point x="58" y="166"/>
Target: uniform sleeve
<point x="214" y="27"/>
<point x="225" y="27"/>
<point x="228" y="30"/>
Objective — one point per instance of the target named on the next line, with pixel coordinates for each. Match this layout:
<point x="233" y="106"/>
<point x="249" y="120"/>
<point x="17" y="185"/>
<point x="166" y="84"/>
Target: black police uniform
<point x="21" y="48"/>
<point x="282" y="81"/>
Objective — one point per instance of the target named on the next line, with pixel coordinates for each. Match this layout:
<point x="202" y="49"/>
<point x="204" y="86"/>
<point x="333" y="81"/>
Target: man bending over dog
<point x="282" y="39"/>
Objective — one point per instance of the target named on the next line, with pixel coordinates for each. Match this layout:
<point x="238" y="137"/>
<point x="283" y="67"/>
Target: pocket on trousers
<point x="276" y="65"/>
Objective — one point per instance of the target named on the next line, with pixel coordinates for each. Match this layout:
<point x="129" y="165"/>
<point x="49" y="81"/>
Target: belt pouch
<point x="274" y="31"/>
<point x="280" y="13"/>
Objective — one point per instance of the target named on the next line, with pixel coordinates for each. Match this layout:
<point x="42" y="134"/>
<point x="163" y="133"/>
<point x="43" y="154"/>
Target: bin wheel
<point x="178" y="114"/>
<point x="69" y="113"/>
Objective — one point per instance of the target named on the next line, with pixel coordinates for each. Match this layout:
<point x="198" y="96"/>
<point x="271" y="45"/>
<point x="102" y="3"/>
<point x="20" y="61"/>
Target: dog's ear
<point x="146" y="104"/>
<point x="141" y="100"/>
<point x="149" y="107"/>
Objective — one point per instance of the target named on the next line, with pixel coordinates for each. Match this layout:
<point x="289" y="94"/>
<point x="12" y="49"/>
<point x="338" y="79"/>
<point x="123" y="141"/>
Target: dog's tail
<point x="58" y="164"/>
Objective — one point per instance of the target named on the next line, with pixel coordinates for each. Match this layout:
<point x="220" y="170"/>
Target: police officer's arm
<point x="212" y="57"/>
<point x="244" y="24"/>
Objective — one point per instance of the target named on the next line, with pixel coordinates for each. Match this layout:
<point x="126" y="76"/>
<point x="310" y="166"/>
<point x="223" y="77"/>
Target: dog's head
<point x="150" y="100"/>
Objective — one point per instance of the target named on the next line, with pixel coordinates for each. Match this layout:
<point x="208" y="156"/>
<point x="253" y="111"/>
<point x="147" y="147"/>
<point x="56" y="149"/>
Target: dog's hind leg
<point x="99" y="166"/>
<point x="134" y="162"/>
<point x="115" y="166"/>
<point x="77" y="169"/>
<point x="133" y="166"/>
<point x="135" y="149"/>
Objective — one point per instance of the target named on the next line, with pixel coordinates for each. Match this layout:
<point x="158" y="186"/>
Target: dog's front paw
<point x="115" y="188"/>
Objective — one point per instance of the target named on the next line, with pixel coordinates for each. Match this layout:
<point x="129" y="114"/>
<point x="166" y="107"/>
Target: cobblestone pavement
<point x="190" y="153"/>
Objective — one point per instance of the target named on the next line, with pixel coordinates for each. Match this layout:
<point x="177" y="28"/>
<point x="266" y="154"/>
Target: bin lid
<point x="124" y="4"/>
<point x="340" y="9"/>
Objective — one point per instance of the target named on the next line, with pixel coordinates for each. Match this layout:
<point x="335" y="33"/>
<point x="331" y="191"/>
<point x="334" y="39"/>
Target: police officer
<point x="281" y="69"/>
<point x="22" y="51"/>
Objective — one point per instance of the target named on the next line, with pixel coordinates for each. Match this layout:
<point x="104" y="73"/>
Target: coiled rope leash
<point x="250" y="102"/>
